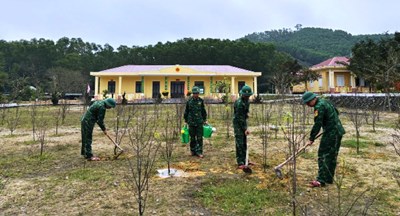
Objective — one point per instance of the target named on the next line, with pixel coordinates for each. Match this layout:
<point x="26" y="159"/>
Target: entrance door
<point x="177" y="89"/>
<point x="156" y="89"/>
<point x="111" y="88"/>
<point x="240" y="85"/>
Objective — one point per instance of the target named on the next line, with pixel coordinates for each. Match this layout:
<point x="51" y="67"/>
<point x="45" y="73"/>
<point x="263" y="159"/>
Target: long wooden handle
<point x="296" y="154"/>
<point x="114" y="142"/>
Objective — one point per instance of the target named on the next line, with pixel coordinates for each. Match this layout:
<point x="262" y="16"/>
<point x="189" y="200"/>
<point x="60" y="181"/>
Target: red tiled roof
<point x="207" y="68"/>
<point x="332" y="62"/>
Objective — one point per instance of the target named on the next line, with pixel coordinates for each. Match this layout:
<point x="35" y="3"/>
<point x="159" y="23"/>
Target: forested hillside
<point x="312" y="45"/>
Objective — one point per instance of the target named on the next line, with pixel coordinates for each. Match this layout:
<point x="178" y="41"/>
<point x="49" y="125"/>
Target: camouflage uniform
<point x="241" y="110"/>
<point x="327" y="117"/>
<point x="95" y="114"/>
<point x="195" y="116"/>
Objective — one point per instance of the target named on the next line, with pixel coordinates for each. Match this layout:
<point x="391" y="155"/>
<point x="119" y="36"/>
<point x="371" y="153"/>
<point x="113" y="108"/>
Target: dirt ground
<point x="61" y="182"/>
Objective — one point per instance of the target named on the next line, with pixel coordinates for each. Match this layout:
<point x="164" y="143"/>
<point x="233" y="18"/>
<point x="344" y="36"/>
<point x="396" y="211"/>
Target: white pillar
<point x="352" y="80"/>
<point x="255" y="85"/>
<point x="331" y="79"/>
<point x="119" y="85"/>
<point x="96" y="87"/>
<point x="232" y="85"/>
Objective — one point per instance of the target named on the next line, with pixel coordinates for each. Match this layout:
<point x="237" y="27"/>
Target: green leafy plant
<point x="55" y="97"/>
<point x="257" y="99"/>
<point x="165" y="93"/>
<point x="105" y="92"/>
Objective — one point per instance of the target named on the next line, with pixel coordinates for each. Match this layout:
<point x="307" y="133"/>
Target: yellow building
<point x="335" y="78"/>
<point x="148" y="81"/>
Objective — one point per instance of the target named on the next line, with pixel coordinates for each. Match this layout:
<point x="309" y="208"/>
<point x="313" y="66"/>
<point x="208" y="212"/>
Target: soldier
<point x="195" y="116"/>
<point x="327" y="117"/>
<point x="241" y="110"/>
<point x="95" y="114"/>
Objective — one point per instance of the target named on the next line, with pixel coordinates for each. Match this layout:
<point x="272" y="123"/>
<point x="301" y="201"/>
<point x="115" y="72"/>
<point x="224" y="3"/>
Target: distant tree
<point x="65" y="80"/>
<point x="378" y="63"/>
<point x="298" y="27"/>
<point x="355" y="116"/>
<point x="3" y="79"/>
<point x="42" y="126"/>
<point x="13" y="117"/>
<point x="288" y="72"/>
<point x="224" y="86"/>
<point x="3" y="76"/>
<point x="33" y="114"/>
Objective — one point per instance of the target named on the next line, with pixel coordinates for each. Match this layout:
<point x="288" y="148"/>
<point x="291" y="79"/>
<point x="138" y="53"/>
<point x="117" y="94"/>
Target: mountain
<point x="312" y="45"/>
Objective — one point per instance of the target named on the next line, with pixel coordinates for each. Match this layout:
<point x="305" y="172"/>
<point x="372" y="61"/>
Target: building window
<point x="138" y="87"/>
<point x="111" y="86"/>
<point x="241" y="84"/>
<point x="311" y="83"/>
<point x="320" y="82"/>
<point x="340" y="80"/>
<point x="200" y="84"/>
<point x="362" y="82"/>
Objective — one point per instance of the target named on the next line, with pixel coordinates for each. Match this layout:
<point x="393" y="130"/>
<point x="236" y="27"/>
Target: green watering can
<point x="185" y="134"/>
<point x="207" y="131"/>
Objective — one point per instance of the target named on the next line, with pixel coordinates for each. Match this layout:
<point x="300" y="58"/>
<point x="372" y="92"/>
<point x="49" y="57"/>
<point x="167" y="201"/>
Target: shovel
<point x="247" y="169"/>
<point x="278" y="168"/>
<point x="116" y="146"/>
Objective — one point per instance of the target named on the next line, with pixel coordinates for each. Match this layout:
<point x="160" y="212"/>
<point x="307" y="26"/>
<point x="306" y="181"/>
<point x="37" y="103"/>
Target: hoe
<point x="116" y="146"/>
<point x="278" y="168"/>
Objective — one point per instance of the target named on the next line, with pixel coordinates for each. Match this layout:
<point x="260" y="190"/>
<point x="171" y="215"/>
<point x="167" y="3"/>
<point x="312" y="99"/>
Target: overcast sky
<point x="147" y="22"/>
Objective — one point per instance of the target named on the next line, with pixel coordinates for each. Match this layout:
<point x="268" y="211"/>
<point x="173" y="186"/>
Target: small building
<point x="335" y="78"/>
<point x="173" y="81"/>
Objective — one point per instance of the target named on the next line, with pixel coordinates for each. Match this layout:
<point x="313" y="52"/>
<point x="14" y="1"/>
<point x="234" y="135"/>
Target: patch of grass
<point x="2" y="183"/>
<point x="308" y="155"/>
<point x="397" y="199"/>
<point x="257" y="133"/>
<point x="11" y="136"/>
<point x="386" y="201"/>
<point x="378" y="144"/>
<point x="18" y="165"/>
<point x="240" y="197"/>
<point x="363" y="143"/>
<point x="220" y="140"/>
<point x="376" y="155"/>
<point x="57" y="135"/>
<point x="44" y="157"/>
<point x="85" y="174"/>
<point x="60" y="148"/>
<point x="30" y="142"/>
<point x="352" y="143"/>
<point x="361" y="154"/>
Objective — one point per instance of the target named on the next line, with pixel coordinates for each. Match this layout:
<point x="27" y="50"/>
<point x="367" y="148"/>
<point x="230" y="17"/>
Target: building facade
<point x="335" y="78"/>
<point x="171" y="81"/>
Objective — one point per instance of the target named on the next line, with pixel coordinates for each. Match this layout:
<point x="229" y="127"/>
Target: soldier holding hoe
<point x="95" y="114"/>
<point x="327" y="117"/>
